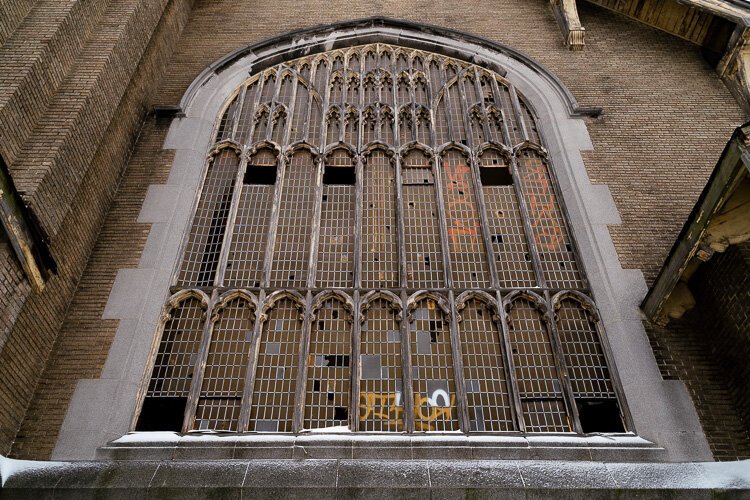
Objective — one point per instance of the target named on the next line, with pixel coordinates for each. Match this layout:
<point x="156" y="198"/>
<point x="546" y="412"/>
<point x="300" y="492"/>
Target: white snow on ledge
<point x="168" y="439"/>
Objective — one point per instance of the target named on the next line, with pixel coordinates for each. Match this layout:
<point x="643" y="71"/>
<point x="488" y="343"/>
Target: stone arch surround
<point x="101" y="409"/>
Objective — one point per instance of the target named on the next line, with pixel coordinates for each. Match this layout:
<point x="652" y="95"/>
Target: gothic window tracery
<point x="379" y="244"/>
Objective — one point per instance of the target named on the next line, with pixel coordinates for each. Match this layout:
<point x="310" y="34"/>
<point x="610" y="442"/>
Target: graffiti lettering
<point x="384" y="406"/>
<point x="388" y="407"/>
<point x="548" y="233"/>
<point x="457" y="200"/>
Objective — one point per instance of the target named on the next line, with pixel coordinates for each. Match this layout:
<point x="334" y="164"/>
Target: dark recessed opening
<point x="336" y="360"/>
<point x="495" y="176"/>
<point x="341" y="413"/>
<point x="162" y="414"/>
<point x="339" y="175"/>
<point x="260" y="174"/>
<point x="600" y="415"/>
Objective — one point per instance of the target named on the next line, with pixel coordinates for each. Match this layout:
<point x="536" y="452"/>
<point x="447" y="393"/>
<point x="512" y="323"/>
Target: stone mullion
<point x="458" y="368"/>
<point x="536" y="262"/>
<point x="358" y="200"/>
<point x="482" y="106"/>
<point x="394" y="100"/>
<point x="312" y="264"/>
<point x="517" y="111"/>
<point x="465" y="109"/>
<point x="563" y="374"/>
<point x="290" y="111"/>
<point x="412" y="98"/>
<point x="191" y="406"/>
<point x="510" y="370"/>
<point x="504" y="129"/>
<point x="274" y="104"/>
<point x="443" y="221"/>
<point x="274" y="221"/>
<point x="407" y="393"/>
<point x="448" y="120"/>
<point x="304" y="349"/>
<point x="483" y="221"/>
<point x="403" y="281"/>
<point x="229" y="231"/>
<point x="355" y="370"/>
<point x="431" y="105"/>
<point x="310" y="102"/>
<point x="238" y="113"/>
<point x="247" y="393"/>
<point x="256" y="105"/>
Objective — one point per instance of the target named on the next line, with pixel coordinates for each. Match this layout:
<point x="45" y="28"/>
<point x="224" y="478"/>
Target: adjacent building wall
<point x="70" y="118"/>
<point x="709" y="349"/>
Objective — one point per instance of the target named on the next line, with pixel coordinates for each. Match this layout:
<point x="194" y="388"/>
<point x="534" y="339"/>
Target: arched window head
<point x="379" y="244"/>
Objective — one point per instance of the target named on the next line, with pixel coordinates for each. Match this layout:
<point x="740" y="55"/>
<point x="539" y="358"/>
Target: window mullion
<point x="440" y="200"/>
<point x="304" y="350"/>
<point x="355" y="372"/>
<point x="458" y="368"/>
<point x="312" y="264"/>
<point x="498" y="104"/>
<point x="291" y="108"/>
<point x="256" y="105"/>
<point x="200" y="365"/>
<point x="510" y="369"/>
<point x="274" y="220"/>
<point x="536" y="262"/>
<point x="226" y="243"/>
<point x="238" y="113"/>
<point x="461" y="82"/>
<point x="517" y="112"/>
<point x="358" y="200"/>
<point x="482" y="211"/>
<point x="274" y="103"/>
<point x="252" y="365"/>
<point x="562" y="369"/>
<point x="407" y="393"/>
<point x="448" y="121"/>
<point x="482" y="105"/>
<point x="400" y="222"/>
<point x="310" y="102"/>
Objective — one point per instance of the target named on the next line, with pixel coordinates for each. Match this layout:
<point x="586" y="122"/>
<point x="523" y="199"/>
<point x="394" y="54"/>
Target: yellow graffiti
<point x="387" y="407"/>
<point x="422" y="422"/>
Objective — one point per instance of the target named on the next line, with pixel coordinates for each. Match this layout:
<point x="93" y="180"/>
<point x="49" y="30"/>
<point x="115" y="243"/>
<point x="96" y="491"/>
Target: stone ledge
<point x="139" y="446"/>
<point x="365" y="478"/>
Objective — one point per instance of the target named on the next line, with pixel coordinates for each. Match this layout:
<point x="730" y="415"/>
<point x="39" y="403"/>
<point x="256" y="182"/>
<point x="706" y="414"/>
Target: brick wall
<point x="722" y="290"/>
<point x="71" y="167"/>
<point x="655" y="146"/>
<point x="709" y="349"/>
<point x="11" y="15"/>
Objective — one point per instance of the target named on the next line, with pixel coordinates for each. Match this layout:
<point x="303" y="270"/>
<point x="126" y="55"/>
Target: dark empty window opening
<point x="260" y="174"/>
<point x="339" y="175"/>
<point x="162" y="414"/>
<point x="495" y="176"/>
<point x="600" y="415"/>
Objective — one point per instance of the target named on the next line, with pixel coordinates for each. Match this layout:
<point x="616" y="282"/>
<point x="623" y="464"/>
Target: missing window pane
<point x="599" y="415"/>
<point x="265" y="175"/>
<point x="495" y="176"/>
<point x="339" y="175"/>
<point x="162" y="414"/>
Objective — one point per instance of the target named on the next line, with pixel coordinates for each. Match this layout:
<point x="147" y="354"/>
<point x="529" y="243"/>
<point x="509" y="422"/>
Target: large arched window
<point x="379" y="245"/>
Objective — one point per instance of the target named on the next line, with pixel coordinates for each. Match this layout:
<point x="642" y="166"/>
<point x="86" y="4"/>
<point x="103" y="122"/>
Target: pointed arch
<point x="327" y="388"/>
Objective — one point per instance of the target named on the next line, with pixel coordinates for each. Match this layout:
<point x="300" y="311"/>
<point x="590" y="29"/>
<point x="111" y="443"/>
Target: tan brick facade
<point x="666" y="118"/>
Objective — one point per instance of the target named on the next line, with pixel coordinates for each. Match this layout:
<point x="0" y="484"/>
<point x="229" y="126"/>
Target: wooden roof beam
<point x="566" y="13"/>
